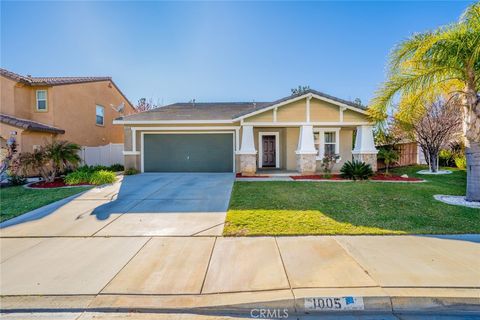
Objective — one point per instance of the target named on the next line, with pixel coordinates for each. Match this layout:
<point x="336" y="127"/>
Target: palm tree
<point x="62" y="154"/>
<point x="442" y="62"/>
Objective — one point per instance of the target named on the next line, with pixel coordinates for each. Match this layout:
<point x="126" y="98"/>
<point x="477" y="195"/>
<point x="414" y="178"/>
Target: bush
<point x="78" y="177"/>
<point x="130" y="171"/>
<point x="356" y="170"/>
<point x="102" y="177"/>
<point x="461" y="162"/>
<point x="16" y="180"/>
<point x="446" y="158"/>
<point x="116" y="167"/>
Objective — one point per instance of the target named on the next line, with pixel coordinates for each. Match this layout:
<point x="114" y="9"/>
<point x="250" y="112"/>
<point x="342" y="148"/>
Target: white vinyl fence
<point x="104" y="155"/>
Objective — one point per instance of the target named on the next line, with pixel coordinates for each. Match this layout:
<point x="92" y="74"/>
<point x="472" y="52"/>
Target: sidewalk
<point x="235" y="275"/>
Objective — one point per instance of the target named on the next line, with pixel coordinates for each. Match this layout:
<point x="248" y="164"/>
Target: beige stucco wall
<point x="292" y="112"/>
<point x="266" y="116"/>
<point x="291" y="145"/>
<point x="321" y="111"/>
<point x="352" y="116"/>
<point x="69" y="107"/>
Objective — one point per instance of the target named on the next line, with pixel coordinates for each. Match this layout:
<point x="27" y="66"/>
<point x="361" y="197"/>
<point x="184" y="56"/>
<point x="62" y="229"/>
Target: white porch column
<point x="365" y="146"/>
<point x="247" y="152"/>
<point x="306" y="152"/>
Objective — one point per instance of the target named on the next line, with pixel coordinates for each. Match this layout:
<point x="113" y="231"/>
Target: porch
<point x="286" y="150"/>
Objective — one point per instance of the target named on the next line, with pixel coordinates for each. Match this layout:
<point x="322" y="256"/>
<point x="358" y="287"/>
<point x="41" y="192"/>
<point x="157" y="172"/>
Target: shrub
<point x="116" y="167"/>
<point x="99" y="167"/>
<point x="446" y="158"/>
<point x="130" y="171"/>
<point x="327" y="164"/>
<point x="16" y="180"/>
<point x="102" y="177"/>
<point x="461" y="162"/>
<point x="78" y="177"/>
<point x="356" y="170"/>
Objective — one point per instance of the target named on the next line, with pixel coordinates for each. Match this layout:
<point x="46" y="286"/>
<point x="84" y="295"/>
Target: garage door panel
<point x="188" y="152"/>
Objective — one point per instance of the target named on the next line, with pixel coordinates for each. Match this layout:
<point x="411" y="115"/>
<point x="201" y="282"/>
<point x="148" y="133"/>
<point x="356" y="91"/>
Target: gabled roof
<point x="226" y="111"/>
<point x="305" y="93"/>
<point x="55" y="81"/>
<point x="28" y="124"/>
<point x="196" y="111"/>
<point x="49" y="81"/>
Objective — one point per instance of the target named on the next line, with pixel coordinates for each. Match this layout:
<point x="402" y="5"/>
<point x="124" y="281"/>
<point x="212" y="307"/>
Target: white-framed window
<point x="99" y="115"/>
<point x="327" y="141"/>
<point x="41" y="96"/>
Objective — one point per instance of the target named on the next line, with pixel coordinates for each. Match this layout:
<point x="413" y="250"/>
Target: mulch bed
<point x="381" y="177"/>
<point x="317" y="177"/>
<point x="378" y="177"/>
<point x="58" y="183"/>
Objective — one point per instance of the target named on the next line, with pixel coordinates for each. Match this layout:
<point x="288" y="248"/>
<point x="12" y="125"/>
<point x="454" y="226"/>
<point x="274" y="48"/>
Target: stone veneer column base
<point x="306" y="163"/>
<point x="369" y="158"/>
<point x="248" y="164"/>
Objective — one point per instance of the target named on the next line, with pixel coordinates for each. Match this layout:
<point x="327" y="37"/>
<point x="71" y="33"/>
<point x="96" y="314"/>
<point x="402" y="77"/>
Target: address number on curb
<point x="334" y="303"/>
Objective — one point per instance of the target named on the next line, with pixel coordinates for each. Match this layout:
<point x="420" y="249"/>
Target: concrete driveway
<point x="151" y="204"/>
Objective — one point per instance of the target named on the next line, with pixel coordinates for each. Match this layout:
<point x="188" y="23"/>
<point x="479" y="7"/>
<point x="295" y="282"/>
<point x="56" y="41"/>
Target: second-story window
<point x="100" y="113"/>
<point x="42" y="100"/>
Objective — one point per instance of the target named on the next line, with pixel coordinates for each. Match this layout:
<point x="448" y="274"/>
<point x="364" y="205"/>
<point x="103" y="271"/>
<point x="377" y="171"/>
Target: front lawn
<point x="17" y="200"/>
<point x="299" y="208"/>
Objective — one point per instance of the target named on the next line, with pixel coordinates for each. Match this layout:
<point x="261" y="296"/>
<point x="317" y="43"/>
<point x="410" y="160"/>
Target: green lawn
<point x="299" y="208"/>
<point x="17" y="200"/>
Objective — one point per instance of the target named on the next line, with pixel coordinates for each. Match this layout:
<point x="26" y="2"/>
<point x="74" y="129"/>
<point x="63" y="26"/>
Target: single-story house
<point x="292" y="133"/>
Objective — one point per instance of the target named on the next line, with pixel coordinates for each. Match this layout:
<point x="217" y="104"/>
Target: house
<point x="36" y="110"/>
<point x="293" y="133"/>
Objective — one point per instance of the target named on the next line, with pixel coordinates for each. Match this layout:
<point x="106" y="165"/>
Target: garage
<point x="189" y="152"/>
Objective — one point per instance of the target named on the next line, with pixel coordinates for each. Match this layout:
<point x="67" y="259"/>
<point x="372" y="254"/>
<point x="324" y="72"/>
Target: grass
<point x="302" y="208"/>
<point x="15" y="201"/>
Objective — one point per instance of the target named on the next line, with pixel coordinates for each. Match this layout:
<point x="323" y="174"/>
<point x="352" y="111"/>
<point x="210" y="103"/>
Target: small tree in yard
<point x="327" y="164"/>
<point x="440" y="124"/>
<point x="389" y="155"/>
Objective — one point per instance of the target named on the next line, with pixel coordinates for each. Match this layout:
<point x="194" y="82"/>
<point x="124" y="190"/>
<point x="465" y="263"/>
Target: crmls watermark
<point x="269" y="313"/>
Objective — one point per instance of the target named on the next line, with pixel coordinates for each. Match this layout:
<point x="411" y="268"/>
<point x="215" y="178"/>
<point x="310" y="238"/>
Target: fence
<point x="410" y="154"/>
<point x="103" y="155"/>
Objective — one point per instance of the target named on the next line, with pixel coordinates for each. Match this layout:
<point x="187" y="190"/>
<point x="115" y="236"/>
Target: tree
<point x="299" y="90"/>
<point x="50" y="159"/>
<point x="430" y="64"/>
<point x="145" y="105"/>
<point x="438" y="126"/>
<point x="389" y="156"/>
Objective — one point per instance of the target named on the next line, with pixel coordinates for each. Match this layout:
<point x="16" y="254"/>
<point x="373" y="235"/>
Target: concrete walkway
<point x="389" y="273"/>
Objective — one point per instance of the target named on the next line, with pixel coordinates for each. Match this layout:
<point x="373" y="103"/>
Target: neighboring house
<point x="290" y="134"/>
<point x="78" y="109"/>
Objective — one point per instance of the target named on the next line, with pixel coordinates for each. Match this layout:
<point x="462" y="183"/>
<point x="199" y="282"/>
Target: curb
<point x="218" y="304"/>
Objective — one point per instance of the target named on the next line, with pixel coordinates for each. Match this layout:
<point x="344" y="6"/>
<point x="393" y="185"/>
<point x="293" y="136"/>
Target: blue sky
<point x="216" y="51"/>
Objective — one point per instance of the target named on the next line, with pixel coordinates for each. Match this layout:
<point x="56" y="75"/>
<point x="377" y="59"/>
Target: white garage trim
<point x="142" y="157"/>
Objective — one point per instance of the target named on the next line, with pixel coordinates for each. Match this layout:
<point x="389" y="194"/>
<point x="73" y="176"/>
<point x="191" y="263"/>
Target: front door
<point x="268" y="151"/>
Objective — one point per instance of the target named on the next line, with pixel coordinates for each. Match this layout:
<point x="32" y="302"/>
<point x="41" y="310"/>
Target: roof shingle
<point x="50" y="81"/>
<point x="29" y="124"/>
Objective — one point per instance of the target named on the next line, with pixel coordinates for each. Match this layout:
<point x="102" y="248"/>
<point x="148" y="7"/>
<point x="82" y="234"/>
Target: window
<point x="100" y="112"/>
<point x="42" y="100"/>
<point x="327" y="141"/>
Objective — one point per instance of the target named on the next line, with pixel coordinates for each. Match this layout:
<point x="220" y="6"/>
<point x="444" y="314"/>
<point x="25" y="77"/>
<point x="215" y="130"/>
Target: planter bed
<point x="58" y="183"/>
<point x="378" y="177"/>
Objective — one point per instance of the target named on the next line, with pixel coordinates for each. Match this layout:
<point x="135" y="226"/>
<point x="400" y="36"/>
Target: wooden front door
<point x="268" y="151"/>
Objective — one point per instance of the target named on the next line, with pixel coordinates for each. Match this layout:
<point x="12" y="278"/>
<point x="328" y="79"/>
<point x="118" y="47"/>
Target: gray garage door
<point x="188" y="152"/>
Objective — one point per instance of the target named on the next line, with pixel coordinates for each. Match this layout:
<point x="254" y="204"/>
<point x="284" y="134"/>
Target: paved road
<point x="155" y="204"/>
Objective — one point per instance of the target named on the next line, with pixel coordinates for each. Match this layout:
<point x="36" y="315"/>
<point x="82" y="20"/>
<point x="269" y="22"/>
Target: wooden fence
<point x="410" y="154"/>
